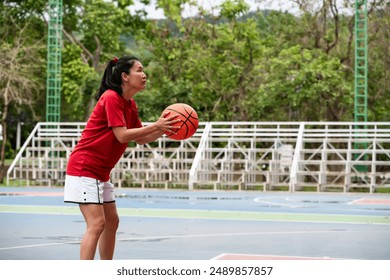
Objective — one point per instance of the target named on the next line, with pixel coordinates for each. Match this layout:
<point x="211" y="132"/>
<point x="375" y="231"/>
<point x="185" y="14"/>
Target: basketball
<point x="189" y="120"/>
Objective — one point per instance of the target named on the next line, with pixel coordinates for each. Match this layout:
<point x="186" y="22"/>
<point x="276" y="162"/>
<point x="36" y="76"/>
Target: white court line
<point x="38" y="245"/>
<point x="257" y="200"/>
<point x="194" y="236"/>
<point x="274" y="256"/>
<point x="356" y="201"/>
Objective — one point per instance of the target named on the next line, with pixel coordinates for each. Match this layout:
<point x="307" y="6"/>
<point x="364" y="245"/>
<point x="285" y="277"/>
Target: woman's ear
<point x="125" y="77"/>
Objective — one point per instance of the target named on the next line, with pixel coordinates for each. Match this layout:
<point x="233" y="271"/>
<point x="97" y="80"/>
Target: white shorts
<point x="87" y="190"/>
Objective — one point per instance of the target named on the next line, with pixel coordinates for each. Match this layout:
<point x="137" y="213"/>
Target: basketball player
<point x="112" y="124"/>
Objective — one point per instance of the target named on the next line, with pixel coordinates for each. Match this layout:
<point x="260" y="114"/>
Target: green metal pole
<point x="361" y="68"/>
<point x="53" y="79"/>
<point x="361" y="71"/>
<point x="54" y="58"/>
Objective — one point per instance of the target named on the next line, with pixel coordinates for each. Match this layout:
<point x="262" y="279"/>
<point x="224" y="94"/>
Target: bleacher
<point x="259" y="156"/>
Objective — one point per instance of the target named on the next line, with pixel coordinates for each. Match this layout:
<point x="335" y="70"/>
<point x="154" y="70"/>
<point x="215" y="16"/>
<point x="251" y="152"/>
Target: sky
<point x="208" y="4"/>
<point x="280" y="5"/>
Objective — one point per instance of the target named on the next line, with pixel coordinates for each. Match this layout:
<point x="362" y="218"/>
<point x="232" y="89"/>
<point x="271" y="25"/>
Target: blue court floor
<point x="202" y="225"/>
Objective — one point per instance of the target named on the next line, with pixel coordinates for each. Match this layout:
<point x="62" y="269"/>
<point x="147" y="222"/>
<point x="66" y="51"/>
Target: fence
<point x="266" y="156"/>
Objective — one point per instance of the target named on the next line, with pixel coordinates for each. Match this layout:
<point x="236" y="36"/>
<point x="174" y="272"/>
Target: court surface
<point x="202" y="225"/>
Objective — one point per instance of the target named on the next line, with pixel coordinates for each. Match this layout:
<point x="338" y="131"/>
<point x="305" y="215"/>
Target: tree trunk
<point x="3" y="167"/>
<point x="4" y="126"/>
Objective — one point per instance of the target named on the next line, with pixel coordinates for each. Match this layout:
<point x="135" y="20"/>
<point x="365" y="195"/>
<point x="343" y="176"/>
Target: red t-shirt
<point x="98" y="150"/>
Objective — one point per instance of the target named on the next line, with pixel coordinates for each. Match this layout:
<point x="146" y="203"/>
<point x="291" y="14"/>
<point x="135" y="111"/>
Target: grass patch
<point x="382" y="190"/>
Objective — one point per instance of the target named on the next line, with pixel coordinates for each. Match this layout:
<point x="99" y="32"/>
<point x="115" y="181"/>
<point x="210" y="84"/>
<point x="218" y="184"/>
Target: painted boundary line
<point x="32" y="193"/>
<point x="205" y="214"/>
<point x="374" y="201"/>
<point x="229" y="256"/>
<point x="205" y="235"/>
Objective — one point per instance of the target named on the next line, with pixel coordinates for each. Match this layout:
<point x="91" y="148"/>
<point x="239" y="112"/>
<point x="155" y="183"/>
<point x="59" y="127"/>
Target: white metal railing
<point x="198" y="156"/>
<point x="297" y="158"/>
<point x="292" y="156"/>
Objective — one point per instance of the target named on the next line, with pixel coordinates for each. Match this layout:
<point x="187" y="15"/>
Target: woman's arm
<point x="149" y="138"/>
<point x="148" y="133"/>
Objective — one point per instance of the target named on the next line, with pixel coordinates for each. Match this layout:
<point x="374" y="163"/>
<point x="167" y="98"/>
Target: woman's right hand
<point x="168" y="123"/>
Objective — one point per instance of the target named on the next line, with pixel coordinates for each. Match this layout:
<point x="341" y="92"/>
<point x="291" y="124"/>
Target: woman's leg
<point x="94" y="217"/>
<point x="108" y="237"/>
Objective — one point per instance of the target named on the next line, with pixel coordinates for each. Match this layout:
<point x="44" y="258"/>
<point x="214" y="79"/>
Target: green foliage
<point x="237" y="71"/>
<point x="208" y="63"/>
<point x="94" y="34"/>
<point x="21" y="66"/>
<point x="79" y="82"/>
<point x="102" y="21"/>
<point x="9" y="152"/>
<point x="232" y="9"/>
<point x="379" y="66"/>
<point x="305" y="85"/>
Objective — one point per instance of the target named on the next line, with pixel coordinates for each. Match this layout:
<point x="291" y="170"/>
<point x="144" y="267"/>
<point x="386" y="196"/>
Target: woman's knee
<point x="94" y="217"/>
<point x="112" y="223"/>
<point x="97" y="225"/>
<point x="111" y="217"/>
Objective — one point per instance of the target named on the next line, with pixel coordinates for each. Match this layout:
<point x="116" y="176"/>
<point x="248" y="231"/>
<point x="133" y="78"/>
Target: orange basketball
<point x="189" y="120"/>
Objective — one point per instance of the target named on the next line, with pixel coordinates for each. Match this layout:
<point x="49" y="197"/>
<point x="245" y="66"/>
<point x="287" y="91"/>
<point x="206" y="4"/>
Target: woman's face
<point x="137" y="77"/>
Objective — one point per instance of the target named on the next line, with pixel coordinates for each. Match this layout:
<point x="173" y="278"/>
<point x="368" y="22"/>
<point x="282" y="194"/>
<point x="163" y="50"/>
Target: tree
<point x="94" y="29"/>
<point x="206" y="61"/>
<point x="79" y="83"/>
<point x="20" y="65"/>
<point x="329" y="26"/>
<point x="379" y="63"/>
<point x="305" y="85"/>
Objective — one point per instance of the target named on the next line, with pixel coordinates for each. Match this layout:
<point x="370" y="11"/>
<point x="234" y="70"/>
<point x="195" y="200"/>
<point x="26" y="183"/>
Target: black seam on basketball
<point x="180" y="113"/>
<point x="173" y="110"/>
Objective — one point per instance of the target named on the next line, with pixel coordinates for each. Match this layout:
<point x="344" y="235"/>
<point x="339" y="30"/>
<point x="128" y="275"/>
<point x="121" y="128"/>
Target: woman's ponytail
<point x="112" y="74"/>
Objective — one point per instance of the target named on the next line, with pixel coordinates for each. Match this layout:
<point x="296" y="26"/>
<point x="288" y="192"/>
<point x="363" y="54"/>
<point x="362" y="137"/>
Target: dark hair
<point x="112" y="75"/>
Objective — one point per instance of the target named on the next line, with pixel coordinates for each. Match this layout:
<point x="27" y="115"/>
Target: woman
<point x="113" y="123"/>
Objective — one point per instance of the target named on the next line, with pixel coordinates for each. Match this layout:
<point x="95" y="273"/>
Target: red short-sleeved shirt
<point x="98" y="150"/>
